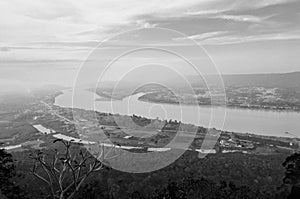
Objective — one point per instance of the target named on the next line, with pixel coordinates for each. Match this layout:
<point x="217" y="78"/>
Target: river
<point x="271" y="123"/>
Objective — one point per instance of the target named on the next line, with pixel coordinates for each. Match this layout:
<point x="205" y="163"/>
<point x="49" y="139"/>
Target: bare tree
<point x="56" y="171"/>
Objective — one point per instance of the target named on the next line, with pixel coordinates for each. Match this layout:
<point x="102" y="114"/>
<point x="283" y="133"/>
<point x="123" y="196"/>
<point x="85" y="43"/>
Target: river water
<point x="272" y="123"/>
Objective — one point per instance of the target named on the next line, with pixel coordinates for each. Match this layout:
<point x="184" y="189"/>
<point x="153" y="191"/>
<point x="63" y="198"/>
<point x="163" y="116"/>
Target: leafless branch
<point x="77" y="166"/>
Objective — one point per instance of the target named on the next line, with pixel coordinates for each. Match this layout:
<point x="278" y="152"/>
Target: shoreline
<point x="277" y="110"/>
<point x="254" y="134"/>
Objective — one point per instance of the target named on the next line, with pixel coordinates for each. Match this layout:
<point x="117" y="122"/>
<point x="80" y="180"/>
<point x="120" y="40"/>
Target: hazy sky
<point x="47" y="41"/>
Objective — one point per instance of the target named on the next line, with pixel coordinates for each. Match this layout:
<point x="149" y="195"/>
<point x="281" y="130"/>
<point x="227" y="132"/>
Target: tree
<point x="66" y="172"/>
<point x="292" y="174"/>
<point x="292" y="169"/>
<point x="7" y="172"/>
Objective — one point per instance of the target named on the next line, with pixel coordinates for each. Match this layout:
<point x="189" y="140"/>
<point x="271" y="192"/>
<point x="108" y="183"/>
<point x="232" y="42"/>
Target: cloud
<point x="240" y="18"/>
<point x="61" y="20"/>
<point x="38" y="29"/>
<point x="265" y="3"/>
<point x="215" y="7"/>
<point x="226" y="37"/>
<point x="235" y="39"/>
<point x="13" y="61"/>
<point x="202" y="36"/>
<point x="4" y="49"/>
<point x="64" y="44"/>
<point x="51" y="10"/>
<point x="144" y="24"/>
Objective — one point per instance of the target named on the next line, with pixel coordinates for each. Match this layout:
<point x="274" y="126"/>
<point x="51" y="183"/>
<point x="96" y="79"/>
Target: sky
<point x="48" y="41"/>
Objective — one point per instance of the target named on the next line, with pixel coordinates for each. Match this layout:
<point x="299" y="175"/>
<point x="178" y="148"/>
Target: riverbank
<point x="269" y="123"/>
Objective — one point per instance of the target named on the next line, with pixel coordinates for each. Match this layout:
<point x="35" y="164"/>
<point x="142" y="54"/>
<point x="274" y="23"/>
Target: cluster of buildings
<point x="259" y="97"/>
<point x="236" y="143"/>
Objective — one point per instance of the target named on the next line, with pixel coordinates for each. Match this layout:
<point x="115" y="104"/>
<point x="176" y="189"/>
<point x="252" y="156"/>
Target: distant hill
<point x="279" y="80"/>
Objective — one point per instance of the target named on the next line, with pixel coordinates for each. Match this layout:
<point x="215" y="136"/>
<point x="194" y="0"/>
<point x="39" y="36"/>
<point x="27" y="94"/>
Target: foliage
<point x="195" y="188"/>
<point x="217" y="175"/>
<point x="7" y="172"/>
<point x="292" y="169"/>
<point x="292" y="174"/>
